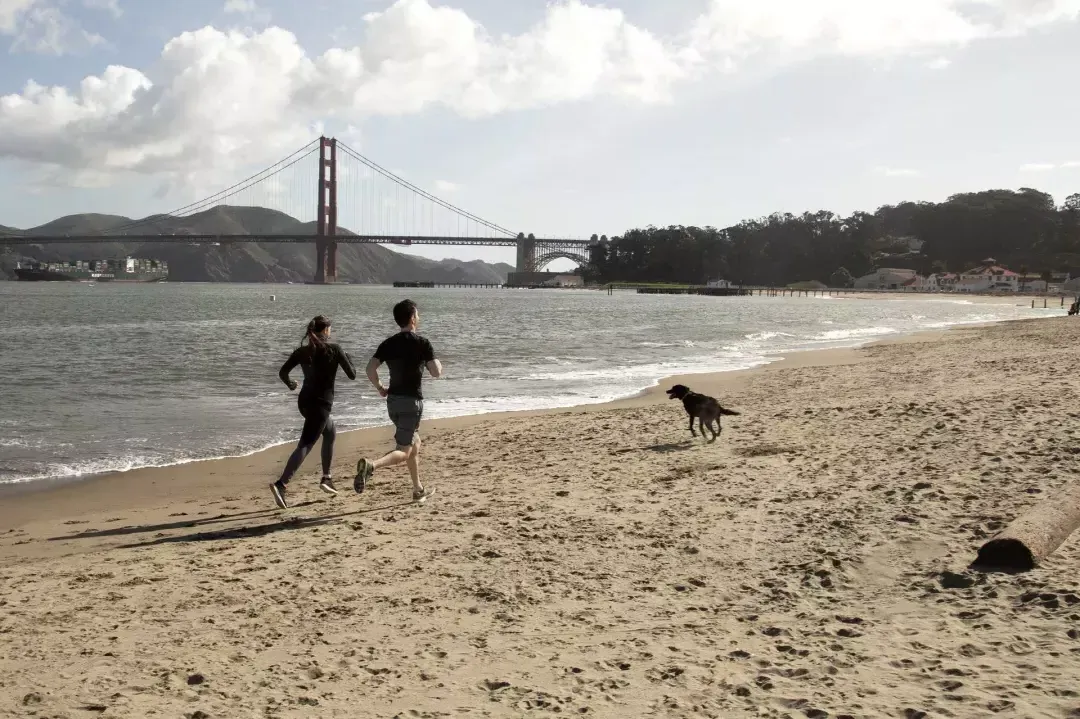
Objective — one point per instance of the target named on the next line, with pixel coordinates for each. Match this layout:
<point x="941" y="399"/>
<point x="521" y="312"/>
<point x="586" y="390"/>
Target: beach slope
<point x="594" y="562"/>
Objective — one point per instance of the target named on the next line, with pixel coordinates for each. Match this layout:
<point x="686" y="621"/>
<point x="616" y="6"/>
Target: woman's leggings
<point x="317" y="422"/>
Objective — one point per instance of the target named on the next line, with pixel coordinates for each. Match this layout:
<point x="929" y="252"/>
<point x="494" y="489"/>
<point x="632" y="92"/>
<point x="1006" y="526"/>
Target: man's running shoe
<point x="364" y="470"/>
<point x="421" y="496"/>
<point x="327" y="485"/>
<point x="279" y="494"/>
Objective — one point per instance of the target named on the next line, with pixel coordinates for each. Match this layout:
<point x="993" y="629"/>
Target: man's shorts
<point x="405" y="413"/>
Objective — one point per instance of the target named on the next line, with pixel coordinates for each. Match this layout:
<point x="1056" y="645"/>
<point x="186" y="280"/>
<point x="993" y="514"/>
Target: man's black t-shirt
<point x="405" y="354"/>
<point x="320" y="369"/>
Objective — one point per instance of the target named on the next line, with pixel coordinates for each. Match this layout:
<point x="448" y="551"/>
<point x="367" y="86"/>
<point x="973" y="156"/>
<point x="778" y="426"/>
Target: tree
<point x="841" y="278"/>
<point x="1020" y="228"/>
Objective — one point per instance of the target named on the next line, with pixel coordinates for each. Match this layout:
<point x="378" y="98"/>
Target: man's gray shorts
<point x="405" y="413"/>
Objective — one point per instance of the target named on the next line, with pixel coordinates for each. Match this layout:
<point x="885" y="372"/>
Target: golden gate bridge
<point x="376" y="205"/>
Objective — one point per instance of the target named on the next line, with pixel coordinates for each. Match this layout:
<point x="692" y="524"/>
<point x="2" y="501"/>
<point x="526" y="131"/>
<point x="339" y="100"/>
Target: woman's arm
<point x="346" y="363"/>
<point x="290" y="364"/>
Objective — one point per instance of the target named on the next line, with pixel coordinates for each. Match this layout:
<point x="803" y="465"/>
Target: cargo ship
<point x="129" y="269"/>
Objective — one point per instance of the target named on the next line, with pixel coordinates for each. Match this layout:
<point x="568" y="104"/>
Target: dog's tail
<point x="729" y="411"/>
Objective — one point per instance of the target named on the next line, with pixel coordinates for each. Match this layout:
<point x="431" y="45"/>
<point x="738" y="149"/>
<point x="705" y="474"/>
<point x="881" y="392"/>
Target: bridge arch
<point x="546" y="258"/>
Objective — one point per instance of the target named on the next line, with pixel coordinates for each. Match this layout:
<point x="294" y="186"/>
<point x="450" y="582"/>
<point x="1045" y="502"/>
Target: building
<point x="886" y="278"/>
<point x="565" y="281"/>
<point x="988" y="277"/>
<point x="722" y="284"/>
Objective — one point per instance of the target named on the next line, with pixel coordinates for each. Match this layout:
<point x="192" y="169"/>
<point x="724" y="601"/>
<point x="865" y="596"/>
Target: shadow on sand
<point x="180" y="524"/>
<point x="261" y="530"/>
<point x="672" y="447"/>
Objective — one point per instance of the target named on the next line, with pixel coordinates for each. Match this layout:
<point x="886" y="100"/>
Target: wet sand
<point x="595" y="561"/>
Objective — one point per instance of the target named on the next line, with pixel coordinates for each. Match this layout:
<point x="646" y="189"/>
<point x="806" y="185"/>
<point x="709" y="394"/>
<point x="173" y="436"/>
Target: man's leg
<point x="405" y="414"/>
<point x="413" y="463"/>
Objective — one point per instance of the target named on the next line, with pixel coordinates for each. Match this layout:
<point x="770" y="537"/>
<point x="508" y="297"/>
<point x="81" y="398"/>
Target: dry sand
<point x="589" y="562"/>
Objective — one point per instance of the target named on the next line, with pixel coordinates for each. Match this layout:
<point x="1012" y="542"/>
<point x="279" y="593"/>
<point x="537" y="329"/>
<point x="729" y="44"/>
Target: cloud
<point x="216" y="99"/>
<point x="1048" y="166"/>
<point x="248" y="8"/>
<point x="41" y="26"/>
<point x="49" y="31"/>
<point x="11" y="12"/>
<point x="939" y="63"/>
<point x="446" y="186"/>
<point x="897" y="172"/>
<point x="111" y="6"/>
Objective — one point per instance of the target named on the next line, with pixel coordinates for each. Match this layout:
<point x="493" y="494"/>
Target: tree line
<point x="1024" y="230"/>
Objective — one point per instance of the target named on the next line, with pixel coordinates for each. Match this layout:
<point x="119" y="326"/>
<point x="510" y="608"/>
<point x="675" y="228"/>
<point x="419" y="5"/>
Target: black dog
<point x="706" y="409"/>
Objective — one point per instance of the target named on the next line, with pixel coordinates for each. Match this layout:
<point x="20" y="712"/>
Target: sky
<point x="562" y="118"/>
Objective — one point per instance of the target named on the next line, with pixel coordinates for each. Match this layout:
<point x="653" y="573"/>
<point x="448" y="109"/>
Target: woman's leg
<point x="329" y="434"/>
<point x="314" y="420"/>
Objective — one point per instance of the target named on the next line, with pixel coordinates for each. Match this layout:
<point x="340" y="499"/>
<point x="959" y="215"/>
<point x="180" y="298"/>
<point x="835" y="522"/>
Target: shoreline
<point x="25" y="486"/>
<point x="22" y="487"/>
<point x="35" y="484"/>
<point x="145" y="486"/>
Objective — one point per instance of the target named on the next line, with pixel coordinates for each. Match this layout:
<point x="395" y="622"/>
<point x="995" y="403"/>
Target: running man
<point x="319" y="358"/>
<point x="407" y="354"/>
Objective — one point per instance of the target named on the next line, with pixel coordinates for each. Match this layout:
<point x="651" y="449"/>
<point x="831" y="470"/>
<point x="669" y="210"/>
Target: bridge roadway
<point x="296" y="238"/>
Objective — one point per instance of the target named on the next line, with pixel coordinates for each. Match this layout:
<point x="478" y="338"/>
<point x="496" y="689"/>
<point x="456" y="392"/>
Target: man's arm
<point x="373" y="374"/>
<point x="290" y="364"/>
<point x="434" y="366"/>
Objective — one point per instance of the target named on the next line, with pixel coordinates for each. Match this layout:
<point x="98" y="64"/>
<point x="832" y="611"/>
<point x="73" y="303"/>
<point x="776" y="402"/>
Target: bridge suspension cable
<point x="402" y="207"/>
<point x="221" y="197"/>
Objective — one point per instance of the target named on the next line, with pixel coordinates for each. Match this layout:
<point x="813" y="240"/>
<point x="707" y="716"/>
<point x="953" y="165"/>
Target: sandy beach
<point x="591" y="562"/>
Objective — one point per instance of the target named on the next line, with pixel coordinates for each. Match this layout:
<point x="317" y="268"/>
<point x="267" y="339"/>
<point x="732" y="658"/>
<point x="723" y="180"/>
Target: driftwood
<point x="1035" y="535"/>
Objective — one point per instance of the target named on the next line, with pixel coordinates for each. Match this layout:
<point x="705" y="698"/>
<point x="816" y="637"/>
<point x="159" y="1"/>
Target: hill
<point x="244" y="262"/>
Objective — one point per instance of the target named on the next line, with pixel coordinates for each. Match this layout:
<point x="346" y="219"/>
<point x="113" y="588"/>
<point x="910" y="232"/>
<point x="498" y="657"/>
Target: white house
<point x="718" y="283"/>
<point x="886" y="279"/>
<point x="927" y="284"/>
<point x="989" y="277"/>
<point x="565" y="281"/>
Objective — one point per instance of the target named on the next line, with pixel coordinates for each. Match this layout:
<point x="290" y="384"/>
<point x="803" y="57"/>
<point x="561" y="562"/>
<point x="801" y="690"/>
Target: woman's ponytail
<point x="313" y="339"/>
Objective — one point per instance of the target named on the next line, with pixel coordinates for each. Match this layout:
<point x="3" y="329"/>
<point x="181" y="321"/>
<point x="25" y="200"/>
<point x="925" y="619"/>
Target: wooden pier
<point x="465" y="285"/>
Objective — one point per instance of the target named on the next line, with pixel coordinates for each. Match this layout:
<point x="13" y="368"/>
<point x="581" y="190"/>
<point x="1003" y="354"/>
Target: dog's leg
<point x="692" y="426"/>
<point x="715" y="432"/>
<point x="701" y="426"/>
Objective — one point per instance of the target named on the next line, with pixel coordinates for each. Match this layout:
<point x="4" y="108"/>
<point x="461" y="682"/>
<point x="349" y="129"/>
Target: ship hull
<point x="49" y="276"/>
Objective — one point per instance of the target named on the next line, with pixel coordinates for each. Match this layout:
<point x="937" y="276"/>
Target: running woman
<point x="407" y="354"/>
<point x="319" y="358"/>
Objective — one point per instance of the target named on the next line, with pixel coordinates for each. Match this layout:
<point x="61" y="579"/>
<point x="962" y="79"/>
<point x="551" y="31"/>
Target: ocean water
<point x="101" y="378"/>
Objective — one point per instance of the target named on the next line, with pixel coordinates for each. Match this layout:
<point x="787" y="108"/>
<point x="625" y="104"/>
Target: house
<point x="565" y="281"/>
<point x="723" y="284"/>
<point x="988" y="277"/>
<point x="885" y="279"/>
<point x="931" y="283"/>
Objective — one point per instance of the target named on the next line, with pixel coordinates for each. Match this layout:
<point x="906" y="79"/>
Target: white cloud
<point x="215" y="99"/>
<point x="939" y="63"/>
<point x="1048" y="166"/>
<point x="855" y="27"/>
<point x="112" y="6"/>
<point x="446" y="186"/>
<point x="897" y="172"/>
<point x="11" y="12"/>
<point x="1038" y="167"/>
<point x="47" y="30"/>
<point x="248" y="8"/>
